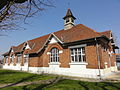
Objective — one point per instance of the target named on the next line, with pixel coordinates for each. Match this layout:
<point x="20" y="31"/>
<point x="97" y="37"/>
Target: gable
<point x="27" y="47"/>
<point x="107" y="33"/>
<point x="76" y="33"/>
<point x="12" y="51"/>
<point x="53" y="40"/>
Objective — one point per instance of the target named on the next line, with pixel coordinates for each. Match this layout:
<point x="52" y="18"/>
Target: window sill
<point x="78" y="63"/>
<point x="54" y="63"/>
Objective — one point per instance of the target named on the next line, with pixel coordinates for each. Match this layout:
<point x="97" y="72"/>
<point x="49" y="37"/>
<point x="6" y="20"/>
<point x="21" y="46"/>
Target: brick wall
<point x="33" y="62"/>
<point x="91" y="56"/>
<point x="42" y="59"/>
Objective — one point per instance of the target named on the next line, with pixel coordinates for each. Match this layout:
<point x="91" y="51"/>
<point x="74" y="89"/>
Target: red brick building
<point x="77" y="50"/>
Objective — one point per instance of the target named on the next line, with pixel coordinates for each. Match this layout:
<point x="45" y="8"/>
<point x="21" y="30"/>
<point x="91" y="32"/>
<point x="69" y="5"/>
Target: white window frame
<point x="12" y="59"/>
<point x="6" y="57"/>
<point x="19" y="58"/>
<point x="26" y="58"/>
<point x="77" y="53"/>
<point x="54" y="55"/>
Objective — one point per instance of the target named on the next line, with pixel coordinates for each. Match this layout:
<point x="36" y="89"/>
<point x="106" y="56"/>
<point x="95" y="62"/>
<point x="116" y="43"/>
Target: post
<point x="98" y="58"/>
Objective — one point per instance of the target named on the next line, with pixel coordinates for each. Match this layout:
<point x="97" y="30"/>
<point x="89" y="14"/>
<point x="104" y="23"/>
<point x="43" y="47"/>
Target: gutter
<point x="103" y="36"/>
<point x="98" y="58"/>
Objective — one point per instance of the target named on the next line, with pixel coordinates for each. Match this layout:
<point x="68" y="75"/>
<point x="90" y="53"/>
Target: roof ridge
<point x="106" y="31"/>
<point x="90" y="28"/>
<point x="79" y="29"/>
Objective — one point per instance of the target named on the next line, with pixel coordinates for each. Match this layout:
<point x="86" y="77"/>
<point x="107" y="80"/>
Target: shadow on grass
<point x="83" y="85"/>
<point x="41" y="86"/>
<point x="7" y="72"/>
<point x="57" y="79"/>
<point x="3" y="72"/>
<point x="107" y="84"/>
<point x="45" y="84"/>
<point x="27" y="78"/>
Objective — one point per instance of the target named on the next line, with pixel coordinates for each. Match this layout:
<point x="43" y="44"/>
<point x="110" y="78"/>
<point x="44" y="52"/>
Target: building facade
<point x="118" y="60"/>
<point x="77" y="50"/>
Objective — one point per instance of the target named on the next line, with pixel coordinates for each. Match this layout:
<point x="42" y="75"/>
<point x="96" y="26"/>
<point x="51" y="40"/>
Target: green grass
<point x="69" y="85"/>
<point x="81" y="85"/>
<point x="9" y="76"/>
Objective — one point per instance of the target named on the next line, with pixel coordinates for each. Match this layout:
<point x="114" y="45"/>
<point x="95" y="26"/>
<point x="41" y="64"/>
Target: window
<point x="19" y="57"/>
<point x="12" y="58"/>
<point x="54" y="55"/>
<point x="78" y="54"/>
<point x="6" y="59"/>
<point x="67" y="20"/>
<point x="72" y="20"/>
<point x="26" y="58"/>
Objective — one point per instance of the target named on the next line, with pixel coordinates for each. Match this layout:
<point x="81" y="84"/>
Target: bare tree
<point x="11" y="11"/>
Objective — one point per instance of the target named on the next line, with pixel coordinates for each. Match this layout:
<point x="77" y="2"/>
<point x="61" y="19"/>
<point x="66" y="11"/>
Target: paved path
<point x="114" y="76"/>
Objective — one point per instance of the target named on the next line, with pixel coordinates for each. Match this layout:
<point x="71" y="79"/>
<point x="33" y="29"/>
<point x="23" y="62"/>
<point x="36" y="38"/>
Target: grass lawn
<point x="10" y="76"/>
<point x="69" y="85"/>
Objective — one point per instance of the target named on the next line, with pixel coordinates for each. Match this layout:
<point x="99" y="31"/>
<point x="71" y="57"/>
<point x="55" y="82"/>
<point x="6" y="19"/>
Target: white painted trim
<point x="23" y="55"/>
<point x="44" y="43"/>
<point x="54" y="63"/>
<point x="48" y="53"/>
<point x="78" y="46"/>
<point x="48" y="40"/>
<point x="53" y="40"/>
<point x="27" y="46"/>
<point x="61" y="51"/>
<point x="74" y="70"/>
<point x="12" y="50"/>
<point x="105" y="63"/>
<point x="78" y="63"/>
<point x="57" y="38"/>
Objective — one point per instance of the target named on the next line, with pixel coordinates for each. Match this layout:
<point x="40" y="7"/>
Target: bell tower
<point x="69" y="20"/>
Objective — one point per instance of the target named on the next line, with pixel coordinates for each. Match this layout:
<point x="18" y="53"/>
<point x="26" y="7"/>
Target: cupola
<point x="69" y="20"/>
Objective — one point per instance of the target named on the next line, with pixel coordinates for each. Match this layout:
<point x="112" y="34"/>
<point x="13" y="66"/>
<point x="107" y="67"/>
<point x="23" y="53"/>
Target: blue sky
<point x="99" y="15"/>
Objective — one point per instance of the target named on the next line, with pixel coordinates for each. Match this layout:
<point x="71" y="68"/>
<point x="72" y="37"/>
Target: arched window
<point x="54" y="55"/>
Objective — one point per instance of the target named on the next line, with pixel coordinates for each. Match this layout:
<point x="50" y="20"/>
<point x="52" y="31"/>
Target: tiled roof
<point x="37" y="44"/>
<point x="69" y="14"/>
<point x="6" y="53"/>
<point x="19" y="48"/>
<point x="76" y="33"/>
<point x="107" y="33"/>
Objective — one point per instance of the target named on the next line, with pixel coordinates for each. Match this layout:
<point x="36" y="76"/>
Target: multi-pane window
<point x="6" y="59"/>
<point x="54" y="55"/>
<point x="78" y="54"/>
<point x="26" y="57"/>
<point x="19" y="57"/>
<point x="12" y="58"/>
